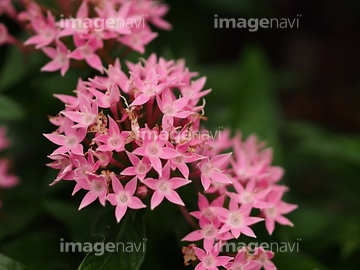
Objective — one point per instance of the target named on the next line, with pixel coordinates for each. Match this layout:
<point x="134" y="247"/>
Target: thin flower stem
<point x="117" y="163"/>
<point x="187" y="216"/>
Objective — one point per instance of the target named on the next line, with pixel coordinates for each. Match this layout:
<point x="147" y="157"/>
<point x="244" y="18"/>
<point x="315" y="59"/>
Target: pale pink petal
<point x="120" y="212"/>
<point x="88" y="198"/>
<point x="156" y="199"/>
<point x="194" y="236"/>
<point x="136" y="203"/>
<point x="131" y="186"/>
<point x="174" y="198"/>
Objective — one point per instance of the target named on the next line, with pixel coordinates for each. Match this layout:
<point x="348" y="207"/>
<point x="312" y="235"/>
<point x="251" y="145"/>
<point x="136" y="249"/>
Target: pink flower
<point x="153" y="148"/>
<point x="138" y="39"/>
<point x="264" y="258"/>
<point x="114" y="139"/>
<point x="209" y="232"/>
<point x="70" y="142"/>
<point x="193" y="90"/>
<point x="107" y="99"/>
<point x="140" y="167"/>
<point x="251" y="160"/>
<point x="148" y="88"/>
<point x="210" y="170"/>
<point x="59" y="55"/>
<point x="165" y="188"/>
<point x="210" y="259"/>
<point x="62" y="163"/>
<point x="83" y="166"/>
<point x="111" y="14"/>
<point x="237" y="219"/>
<point x="87" y="114"/>
<point x="250" y="195"/>
<point x="5" y="37"/>
<point x="183" y="157"/>
<point x="172" y="107"/>
<point x="86" y="51"/>
<point x="208" y="210"/>
<point x="278" y="209"/>
<point x="155" y="14"/>
<point x="124" y="198"/>
<point x="6" y="180"/>
<point x="97" y="186"/>
<point x="243" y="262"/>
<point x="6" y="6"/>
<point x="46" y="31"/>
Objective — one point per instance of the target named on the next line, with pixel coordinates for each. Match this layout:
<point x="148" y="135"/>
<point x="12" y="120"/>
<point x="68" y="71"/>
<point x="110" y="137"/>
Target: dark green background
<point x="298" y="89"/>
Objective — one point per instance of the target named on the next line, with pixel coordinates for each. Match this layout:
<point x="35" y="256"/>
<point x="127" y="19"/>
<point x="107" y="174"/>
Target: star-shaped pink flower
<point x="124" y="198"/>
<point x="165" y="188"/>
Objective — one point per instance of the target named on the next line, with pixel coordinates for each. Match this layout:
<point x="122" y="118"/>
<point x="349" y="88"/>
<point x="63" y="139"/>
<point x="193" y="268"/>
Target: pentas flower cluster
<point x="252" y="189"/>
<point x="130" y="138"/>
<point x="95" y="26"/>
<point x="7" y="180"/>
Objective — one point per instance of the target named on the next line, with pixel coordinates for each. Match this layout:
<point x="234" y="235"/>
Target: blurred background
<point x="297" y="89"/>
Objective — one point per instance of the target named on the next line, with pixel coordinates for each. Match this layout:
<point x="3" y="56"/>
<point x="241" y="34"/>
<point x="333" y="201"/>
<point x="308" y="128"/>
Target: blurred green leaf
<point x="130" y="233"/>
<point x="16" y="214"/>
<point x="349" y="237"/>
<point x="17" y="67"/>
<point x="9" y="109"/>
<point x="8" y="264"/>
<point x="76" y="221"/>
<point x="317" y="141"/>
<point x="40" y="250"/>
<point x="297" y="261"/>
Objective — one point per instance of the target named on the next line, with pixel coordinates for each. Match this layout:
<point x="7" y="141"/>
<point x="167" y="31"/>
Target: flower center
<point x="71" y="141"/>
<point x="115" y="141"/>
<point x="98" y="186"/>
<point x="89" y="118"/>
<point x="237" y="266"/>
<point x="153" y="150"/>
<point x="208" y="213"/>
<point x="271" y="212"/>
<point x="164" y="186"/>
<point x="123" y="197"/>
<point x="246" y="197"/>
<point x="169" y="110"/>
<point x="235" y="219"/>
<point x="141" y="168"/>
<point x="209" y="231"/>
<point x="207" y="168"/>
<point x="209" y="261"/>
<point x="178" y="159"/>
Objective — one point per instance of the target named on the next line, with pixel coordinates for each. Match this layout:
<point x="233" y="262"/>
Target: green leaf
<point x="8" y="264"/>
<point x="40" y="250"/>
<point x="9" y="109"/>
<point x="18" y="214"/>
<point x="296" y="261"/>
<point x="76" y="221"/>
<point x="17" y="67"/>
<point x="318" y="142"/>
<point x="128" y="237"/>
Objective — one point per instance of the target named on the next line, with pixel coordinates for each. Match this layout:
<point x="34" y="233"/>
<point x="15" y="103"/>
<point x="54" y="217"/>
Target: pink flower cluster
<point x="96" y="26"/>
<point x="7" y="180"/>
<point x="253" y="188"/>
<point x="125" y="138"/>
